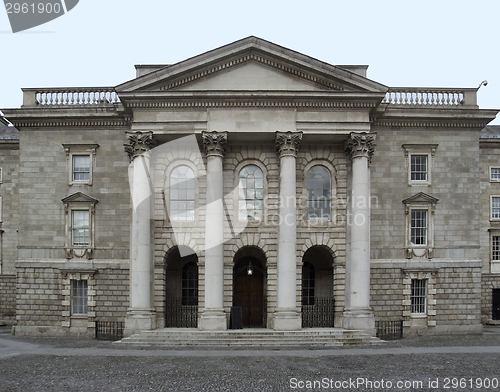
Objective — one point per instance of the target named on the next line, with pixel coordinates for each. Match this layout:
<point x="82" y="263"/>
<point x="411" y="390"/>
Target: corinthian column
<point x="286" y="317"/>
<point x="213" y="317"/>
<point x="357" y="313"/>
<point x="140" y="316"/>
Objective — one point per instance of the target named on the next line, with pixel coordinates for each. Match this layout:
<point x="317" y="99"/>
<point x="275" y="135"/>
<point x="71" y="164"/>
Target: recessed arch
<point x="181" y="288"/>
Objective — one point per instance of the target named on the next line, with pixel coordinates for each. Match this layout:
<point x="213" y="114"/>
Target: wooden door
<point x="248" y="292"/>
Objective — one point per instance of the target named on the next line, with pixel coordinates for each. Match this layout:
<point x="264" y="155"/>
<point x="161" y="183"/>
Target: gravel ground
<point x="423" y="363"/>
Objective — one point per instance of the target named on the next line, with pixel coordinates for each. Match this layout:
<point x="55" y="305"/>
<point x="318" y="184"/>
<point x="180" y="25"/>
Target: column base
<point x="359" y="319"/>
<point x="139" y="320"/>
<point x="213" y="320"/>
<point x="287" y="321"/>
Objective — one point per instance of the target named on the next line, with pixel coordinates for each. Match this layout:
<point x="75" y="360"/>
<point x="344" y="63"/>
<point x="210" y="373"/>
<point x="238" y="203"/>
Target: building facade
<point x="251" y="179"/>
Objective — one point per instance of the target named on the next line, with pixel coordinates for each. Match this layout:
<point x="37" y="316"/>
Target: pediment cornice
<point x="79" y="197"/>
<point x="420" y="198"/>
<point x="252" y="49"/>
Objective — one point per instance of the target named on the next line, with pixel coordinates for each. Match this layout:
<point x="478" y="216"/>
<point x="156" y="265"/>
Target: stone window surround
<point x="80" y="149"/>
<point x="166" y="192"/>
<point x="70" y="274"/>
<point x="237" y="170"/>
<point x="420" y="149"/>
<point x="419" y="319"/>
<point x="420" y="201"/>
<point x="333" y="191"/>
<point x="489" y="174"/>
<point x="1" y="175"/>
<point x="79" y="202"/>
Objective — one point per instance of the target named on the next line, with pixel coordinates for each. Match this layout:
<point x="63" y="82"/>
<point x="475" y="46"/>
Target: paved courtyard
<point x="449" y="363"/>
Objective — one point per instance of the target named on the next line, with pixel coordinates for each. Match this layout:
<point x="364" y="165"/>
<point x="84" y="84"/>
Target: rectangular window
<point x="81" y="168"/>
<point x="495" y="248"/>
<point x="79" y="297"/>
<point x="418" y="228"/>
<point x="80" y="228"/>
<point x="495" y="207"/>
<point x="1" y="175"/>
<point x="418" y="296"/>
<point x="495" y="173"/>
<point x="418" y="168"/>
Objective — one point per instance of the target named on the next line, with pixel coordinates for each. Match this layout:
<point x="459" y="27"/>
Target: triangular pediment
<point x="79" y="197"/>
<point x="251" y="64"/>
<point x="421" y="198"/>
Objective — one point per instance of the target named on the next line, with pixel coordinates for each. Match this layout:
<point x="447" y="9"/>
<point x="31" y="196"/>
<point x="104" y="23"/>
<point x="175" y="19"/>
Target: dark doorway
<point x="181" y="289"/>
<point x="248" y="290"/>
<point x="495" y="314"/>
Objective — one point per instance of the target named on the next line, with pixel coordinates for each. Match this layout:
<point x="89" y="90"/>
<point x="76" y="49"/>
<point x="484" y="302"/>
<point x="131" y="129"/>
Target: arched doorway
<point x="318" y="305"/>
<point x="249" y="286"/>
<point x="181" y="289"/>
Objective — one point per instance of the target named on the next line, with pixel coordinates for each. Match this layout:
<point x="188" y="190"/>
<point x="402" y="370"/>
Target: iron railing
<point x="178" y="315"/>
<point x="321" y="314"/>
<point x="389" y="329"/>
<point x="109" y="330"/>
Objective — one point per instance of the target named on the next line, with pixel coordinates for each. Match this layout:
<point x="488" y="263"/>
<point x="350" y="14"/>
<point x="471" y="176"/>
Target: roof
<point x="8" y="133"/>
<point x="490" y="132"/>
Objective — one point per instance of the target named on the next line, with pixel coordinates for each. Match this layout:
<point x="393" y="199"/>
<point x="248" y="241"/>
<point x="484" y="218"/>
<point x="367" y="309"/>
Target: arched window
<point x="318" y="183"/>
<point x="308" y="283"/>
<point x="182" y="194"/>
<point x="251" y="193"/>
<point x="190" y="283"/>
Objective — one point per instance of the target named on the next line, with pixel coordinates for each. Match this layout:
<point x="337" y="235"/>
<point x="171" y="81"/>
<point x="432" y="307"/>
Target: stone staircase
<point x="248" y="338"/>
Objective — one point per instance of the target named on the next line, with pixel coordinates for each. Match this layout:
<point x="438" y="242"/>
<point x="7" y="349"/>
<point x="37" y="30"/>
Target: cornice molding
<point x="88" y="122"/>
<point x="429" y="124"/>
<point x="194" y="104"/>
<point x="293" y="71"/>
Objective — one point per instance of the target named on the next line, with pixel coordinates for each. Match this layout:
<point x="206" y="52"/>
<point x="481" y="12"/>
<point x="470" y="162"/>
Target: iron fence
<point x="109" y="330"/>
<point x="321" y="314"/>
<point x="389" y="329"/>
<point x="178" y="315"/>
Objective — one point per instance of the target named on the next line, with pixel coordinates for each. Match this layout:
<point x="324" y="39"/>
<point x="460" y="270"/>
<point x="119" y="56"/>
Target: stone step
<point x="171" y="337"/>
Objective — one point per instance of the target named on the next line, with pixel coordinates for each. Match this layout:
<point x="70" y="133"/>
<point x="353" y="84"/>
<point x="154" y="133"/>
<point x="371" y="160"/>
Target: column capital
<point x="361" y="144"/>
<point x="138" y="143"/>
<point x="214" y="143"/>
<point x="287" y="143"/>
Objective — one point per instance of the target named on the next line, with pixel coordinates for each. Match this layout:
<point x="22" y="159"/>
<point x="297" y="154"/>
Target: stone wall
<point x="9" y="163"/>
<point x="7" y="299"/>
<point x="489" y="282"/>
<point x="453" y="297"/>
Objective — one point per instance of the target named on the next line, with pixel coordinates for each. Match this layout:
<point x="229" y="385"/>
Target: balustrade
<point x="410" y="96"/>
<point x="75" y="96"/>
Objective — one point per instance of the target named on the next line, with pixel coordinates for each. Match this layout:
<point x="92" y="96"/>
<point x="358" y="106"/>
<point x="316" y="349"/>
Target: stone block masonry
<point x="7" y="299"/>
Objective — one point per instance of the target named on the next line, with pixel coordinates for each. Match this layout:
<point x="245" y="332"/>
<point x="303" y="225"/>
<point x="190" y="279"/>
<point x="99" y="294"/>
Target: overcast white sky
<point x="439" y="43"/>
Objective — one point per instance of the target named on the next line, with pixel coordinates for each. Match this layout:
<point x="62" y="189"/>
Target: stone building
<point x="251" y="177"/>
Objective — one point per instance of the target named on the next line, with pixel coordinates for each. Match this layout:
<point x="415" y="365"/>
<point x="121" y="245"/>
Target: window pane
<point x="190" y="284"/>
<point x="419" y="227"/>
<point x="308" y="283"/>
<point x="495" y="173"/>
<point x="495" y="248"/>
<point x="495" y="207"/>
<point x="182" y="194"/>
<point x="251" y="183"/>
<point x="80" y="228"/>
<point x="418" y="168"/>
<point x="418" y="295"/>
<point x="318" y="182"/>
<point x="79" y="296"/>
<point x="81" y="167"/>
